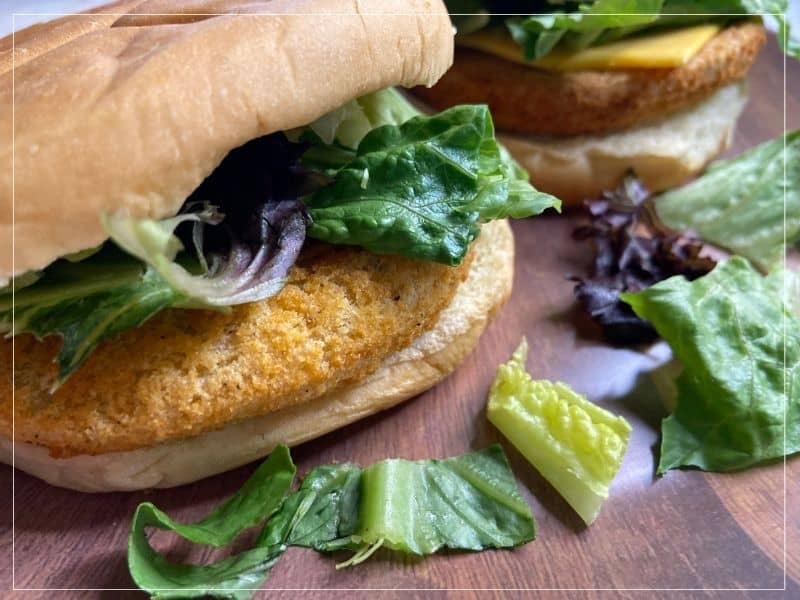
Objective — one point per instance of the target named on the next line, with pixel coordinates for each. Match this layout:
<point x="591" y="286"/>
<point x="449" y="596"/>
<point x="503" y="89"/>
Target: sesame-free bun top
<point x="132" y="111"/>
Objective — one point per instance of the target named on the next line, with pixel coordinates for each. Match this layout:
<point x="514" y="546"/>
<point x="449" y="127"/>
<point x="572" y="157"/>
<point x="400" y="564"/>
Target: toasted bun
<point x="430" y="357"/>
<point x="135" y="112"/>
<point x="533" y="101"/>
<point x="663" y="153"/>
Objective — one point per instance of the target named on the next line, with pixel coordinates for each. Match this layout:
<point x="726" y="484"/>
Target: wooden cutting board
<point x="687" y="529"/>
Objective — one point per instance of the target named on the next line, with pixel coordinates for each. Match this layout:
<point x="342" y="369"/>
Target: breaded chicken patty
<point x="342" y="313"/>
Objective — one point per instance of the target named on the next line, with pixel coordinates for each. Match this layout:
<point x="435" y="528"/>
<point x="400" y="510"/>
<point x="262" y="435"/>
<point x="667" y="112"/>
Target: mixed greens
<point x="573" y="25"/>
<point x="374" y="173"/>
<point x="470" y="502"/>
<point x="633" y="250"/>
<point x="733" y="329"/>
<point x="576" y="445"/>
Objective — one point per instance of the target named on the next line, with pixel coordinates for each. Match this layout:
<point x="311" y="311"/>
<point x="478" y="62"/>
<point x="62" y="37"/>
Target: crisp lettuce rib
<point x="576" y="445"/>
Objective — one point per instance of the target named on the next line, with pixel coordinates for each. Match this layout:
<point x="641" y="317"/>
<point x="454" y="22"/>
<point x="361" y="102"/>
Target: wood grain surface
<point x="687" y="529"/>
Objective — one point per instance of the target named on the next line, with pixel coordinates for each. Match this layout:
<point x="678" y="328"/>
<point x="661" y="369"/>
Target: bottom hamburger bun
<point x="663" y="153"/>
<point x="404" y="374"/>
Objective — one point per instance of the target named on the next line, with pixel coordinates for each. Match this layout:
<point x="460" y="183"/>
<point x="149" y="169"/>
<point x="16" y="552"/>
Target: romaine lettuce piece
<point x="348" y="124"/>
<point x="576" y="445"/>
<point x="422" y="188"/>
<point x="468" y="502"/>
<point x="738" y="400"/>
<point x="258" y="499"/>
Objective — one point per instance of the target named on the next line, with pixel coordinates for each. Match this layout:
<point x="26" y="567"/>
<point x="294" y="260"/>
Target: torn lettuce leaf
<point x="739" y="203"/>
<point x="578" y="25"/>
<point x="575" y="444"/>
<point x="592" y="23"/>
<point x="469" y="502"/>
<point x="349" y="124"/>
<point x="431" y="182"/>
<point x="259" y="498"/>
<point x="739" y="342"/>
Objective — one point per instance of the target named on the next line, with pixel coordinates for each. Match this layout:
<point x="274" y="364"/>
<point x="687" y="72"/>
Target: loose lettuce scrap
<point x="259" y="498"/>
<point x="746" y="204"/>
<point x="738" y="396"/>
<point x="469" y="502"/>
<point x="576" y="445"/>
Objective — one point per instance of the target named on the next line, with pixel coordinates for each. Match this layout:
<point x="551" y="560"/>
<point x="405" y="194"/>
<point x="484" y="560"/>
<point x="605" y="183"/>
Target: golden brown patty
<point x="187" y="372"/>
<point x="532" y="101"/>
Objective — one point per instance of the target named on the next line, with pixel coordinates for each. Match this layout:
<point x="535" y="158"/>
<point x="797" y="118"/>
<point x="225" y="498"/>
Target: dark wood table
<point x="687" y="529"/>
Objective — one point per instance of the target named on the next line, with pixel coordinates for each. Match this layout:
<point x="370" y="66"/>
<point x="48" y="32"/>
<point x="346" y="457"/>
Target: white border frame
<point x="14" y="16"/>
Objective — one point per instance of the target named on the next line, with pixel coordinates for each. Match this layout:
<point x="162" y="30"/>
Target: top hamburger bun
<point x="134" y="112"/>
<point x="122" y="111"/>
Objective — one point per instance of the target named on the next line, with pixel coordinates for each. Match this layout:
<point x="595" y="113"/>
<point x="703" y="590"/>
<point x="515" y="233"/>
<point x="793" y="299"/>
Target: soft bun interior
<point x="664" y="153"/>
<point x="430" y="358"/>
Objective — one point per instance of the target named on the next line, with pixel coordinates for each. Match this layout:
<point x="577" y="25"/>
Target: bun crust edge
<point x="429" y="359"/>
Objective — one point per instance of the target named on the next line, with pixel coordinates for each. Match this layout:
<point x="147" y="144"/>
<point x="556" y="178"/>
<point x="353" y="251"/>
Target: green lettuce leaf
<point x="85" y="303"/>
<point x="590" y="24"/>
<point x="255" y="502"/>
<point x="739" y="344"/>
<point x="575" y="444"/>
<point x="324" y="509"/>
<point x="349" y="124"/>
<point x="420" y="189"/>
<point x="469" y="502"/>
<point x="739" y="203"/>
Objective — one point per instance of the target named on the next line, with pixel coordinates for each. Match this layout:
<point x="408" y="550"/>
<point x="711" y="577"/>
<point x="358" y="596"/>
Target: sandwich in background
<point x="584" y="92"/>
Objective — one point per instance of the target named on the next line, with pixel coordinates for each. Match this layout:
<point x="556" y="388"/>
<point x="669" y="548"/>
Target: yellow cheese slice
<point x="653" y="51"/>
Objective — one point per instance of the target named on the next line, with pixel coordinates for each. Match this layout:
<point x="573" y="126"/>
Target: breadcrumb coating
<point x="186" y="372"/>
